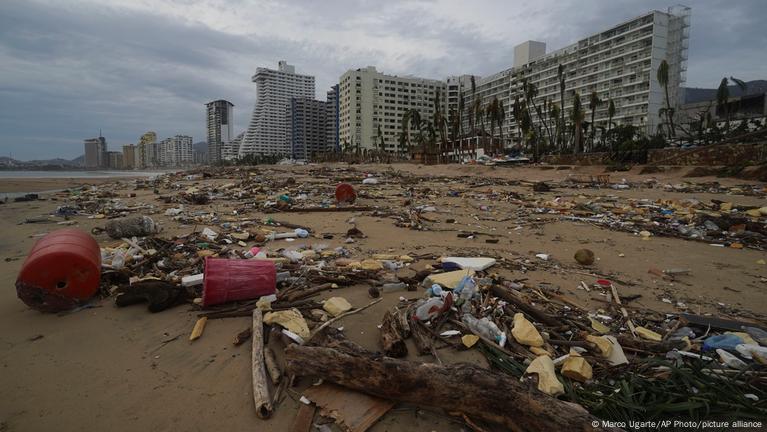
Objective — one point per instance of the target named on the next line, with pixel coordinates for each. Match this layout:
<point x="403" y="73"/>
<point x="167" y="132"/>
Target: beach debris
<point x="61" y="272"/>
<point x="228" y="280"/>
<point x="336" y="305"/>
<point x="199" y="327"/>
<point x="133" y="226"/>
<point x="525" y="332"/>
<point x="547" y="377"/>
<point x="584" y="257"/>
<point x="353" y="411"/>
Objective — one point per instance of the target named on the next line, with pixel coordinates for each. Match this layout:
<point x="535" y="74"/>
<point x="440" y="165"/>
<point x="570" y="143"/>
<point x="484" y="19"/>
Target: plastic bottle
<point x="749" y="351"/>
<point x="485" y="328"/>
<point x="435" y="290"/>
<point x="758" y="334"/>
<point x="724" y="341"/>
<point x="389" y="287"/>
<point x="730" y="360"/>
<point x="118" y="259"/>
<point x="429" y="309"/>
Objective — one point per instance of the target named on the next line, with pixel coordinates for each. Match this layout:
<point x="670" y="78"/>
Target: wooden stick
<point x="260" y="389"/>
<point x="199" y="326"/>
<point x="623" y="310"/>
<point x="272" y="366"/>
<point x="328" y="322"/>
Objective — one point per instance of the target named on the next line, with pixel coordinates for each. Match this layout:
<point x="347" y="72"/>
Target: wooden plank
<point x="304" y="417"/>
<point x="352" y="410"/>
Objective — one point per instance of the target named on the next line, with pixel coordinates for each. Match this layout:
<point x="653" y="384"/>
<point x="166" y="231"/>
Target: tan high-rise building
<point x="369" y="100"/>
<point x="146" y="154"/>
<point x="129" y="156"/>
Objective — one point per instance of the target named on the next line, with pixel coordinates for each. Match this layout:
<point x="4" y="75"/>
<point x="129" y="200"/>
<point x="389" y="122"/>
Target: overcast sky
<point x="70" y="67"/>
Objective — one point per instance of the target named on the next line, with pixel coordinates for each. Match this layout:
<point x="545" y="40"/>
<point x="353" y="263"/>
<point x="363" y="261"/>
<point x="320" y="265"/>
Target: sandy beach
<point x="125" y="369"/>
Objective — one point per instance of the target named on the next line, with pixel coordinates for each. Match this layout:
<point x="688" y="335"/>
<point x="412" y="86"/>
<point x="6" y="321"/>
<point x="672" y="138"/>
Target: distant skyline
<point x="68" y="69"/>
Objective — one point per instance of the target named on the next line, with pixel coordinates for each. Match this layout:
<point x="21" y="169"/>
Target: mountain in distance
<point x="694" y="94"/>
<point x="201" y="146"/>
<point x="56" y="163"/>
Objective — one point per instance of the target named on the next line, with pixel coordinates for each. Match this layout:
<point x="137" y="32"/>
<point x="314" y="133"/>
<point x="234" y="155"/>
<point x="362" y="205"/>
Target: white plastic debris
<point x="192" y="280"/>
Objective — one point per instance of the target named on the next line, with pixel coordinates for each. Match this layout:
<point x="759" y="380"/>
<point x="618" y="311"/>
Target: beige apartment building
<point x="369" y="99"/>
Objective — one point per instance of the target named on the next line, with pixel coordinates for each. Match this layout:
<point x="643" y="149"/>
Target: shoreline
<point x="19" y="186"/>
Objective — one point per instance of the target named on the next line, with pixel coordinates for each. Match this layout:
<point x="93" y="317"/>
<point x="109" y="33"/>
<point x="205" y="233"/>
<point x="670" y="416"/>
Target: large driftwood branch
<point x="260" y="387"/>
<point x="477" y="392"/>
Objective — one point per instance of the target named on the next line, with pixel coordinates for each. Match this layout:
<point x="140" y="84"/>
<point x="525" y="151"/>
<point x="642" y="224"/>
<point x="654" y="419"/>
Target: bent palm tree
<point x="662" y="76"/>
<point x="577" y="115"/>
<point x="594" y="103"/>
<point x="561" y="76"/>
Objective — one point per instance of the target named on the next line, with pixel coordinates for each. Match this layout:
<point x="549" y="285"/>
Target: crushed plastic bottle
<point x="724" y="341"/>
<point x="389" y="287"/>
<point x="429" y="309"/>
<point x="485" y="328"/>
<point x="731" y="360"/>
<point x="750" y="351"/>
<point x="118" y="259"/>
<point x="758" y="334"/>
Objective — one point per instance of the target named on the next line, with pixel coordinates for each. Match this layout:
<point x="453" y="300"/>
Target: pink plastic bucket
<point x="227" y="280"/>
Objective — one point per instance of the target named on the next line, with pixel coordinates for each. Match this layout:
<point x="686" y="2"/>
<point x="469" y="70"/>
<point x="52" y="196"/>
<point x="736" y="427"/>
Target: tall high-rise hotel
<point x="268" y="130"/>
<point x="619" y="63"/>
<point x="220" y="124"/>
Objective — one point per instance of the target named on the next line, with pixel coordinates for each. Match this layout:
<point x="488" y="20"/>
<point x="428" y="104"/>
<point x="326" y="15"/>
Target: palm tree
<point x="501" y="119"/>
<point x="491" y="111"/>
<point x="723" y="95"/>
<point x="577" y="115"/>
<point x="662" y="76"/>
<point x="381" y="139"/>
<point x="610" y="114"/>
<point x="553" y="113"/>
<point x="440" y="121"/>
<point x="461" y="108"/>
<point x="561" y="76"/>
<point x="411" y="117"/>
<point x="473" y="103"/>
<point x="594" y="103"/>
<point x="530" y="92"/>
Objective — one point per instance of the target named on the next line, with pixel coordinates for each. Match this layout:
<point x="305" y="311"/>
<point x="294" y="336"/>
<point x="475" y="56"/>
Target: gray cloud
<point x="128" y="66"/>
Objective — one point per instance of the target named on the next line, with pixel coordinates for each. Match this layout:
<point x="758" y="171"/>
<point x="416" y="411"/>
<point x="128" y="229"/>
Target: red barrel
<point x="345" y="193"/>
<point x="62" y="268"/>
<point x="227" y="280"/>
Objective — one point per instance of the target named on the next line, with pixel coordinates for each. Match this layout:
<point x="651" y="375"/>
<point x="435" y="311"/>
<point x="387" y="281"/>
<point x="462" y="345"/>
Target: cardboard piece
<point x="353" y="411"/>
<point x="447" y="280"/>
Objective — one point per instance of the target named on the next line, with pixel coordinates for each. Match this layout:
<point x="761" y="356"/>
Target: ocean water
<point x="76" y="174"/>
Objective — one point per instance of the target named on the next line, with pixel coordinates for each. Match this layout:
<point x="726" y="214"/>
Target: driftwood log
<point x="260" y="387"/>
<point x="469" y="389"/>
<point x="392" y="340"/>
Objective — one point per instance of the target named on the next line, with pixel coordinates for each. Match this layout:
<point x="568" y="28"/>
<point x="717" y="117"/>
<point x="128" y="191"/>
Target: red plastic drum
<point x="62" y="268"/>
<point x="345" y="193"/>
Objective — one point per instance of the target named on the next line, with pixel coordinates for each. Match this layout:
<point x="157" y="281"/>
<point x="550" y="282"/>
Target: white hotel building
<point x="268" y="129"/>
<point x="619" y="63"/>
<point x="369" y="99"/>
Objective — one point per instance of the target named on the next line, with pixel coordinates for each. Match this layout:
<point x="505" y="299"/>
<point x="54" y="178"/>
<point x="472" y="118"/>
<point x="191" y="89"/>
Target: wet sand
<point x="49" y="184"/>
<point x="120" y="369"/>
